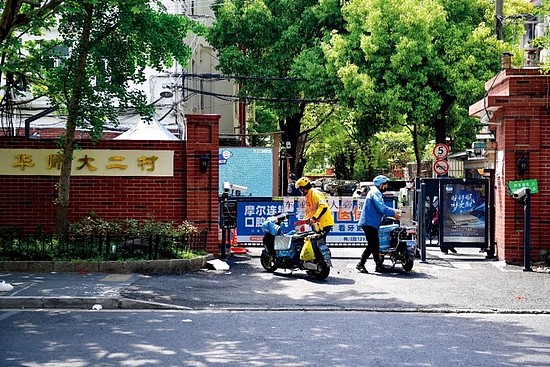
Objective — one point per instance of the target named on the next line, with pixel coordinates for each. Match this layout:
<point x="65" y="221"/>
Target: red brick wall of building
<point x="27" y="202"/>
<point x="521" y="105"/>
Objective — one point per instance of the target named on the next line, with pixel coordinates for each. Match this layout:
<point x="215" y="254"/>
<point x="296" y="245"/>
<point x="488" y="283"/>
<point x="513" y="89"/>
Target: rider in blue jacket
<point x="370" y="220"/>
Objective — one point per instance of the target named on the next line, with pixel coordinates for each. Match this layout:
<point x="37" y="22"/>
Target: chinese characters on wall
<point x="346" y="211"/>
<point x="88" y="162"/>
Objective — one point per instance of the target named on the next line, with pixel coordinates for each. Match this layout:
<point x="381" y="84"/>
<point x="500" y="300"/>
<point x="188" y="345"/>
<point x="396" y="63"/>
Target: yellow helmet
<point x="302" y="182"/>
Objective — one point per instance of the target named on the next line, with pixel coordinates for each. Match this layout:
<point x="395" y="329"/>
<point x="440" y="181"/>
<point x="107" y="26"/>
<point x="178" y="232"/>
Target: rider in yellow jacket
<point x="317" y="208"/>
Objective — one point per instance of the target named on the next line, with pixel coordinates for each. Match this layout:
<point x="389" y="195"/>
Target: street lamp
<point x="36" y="117"/>
<point x="163" y="94"/>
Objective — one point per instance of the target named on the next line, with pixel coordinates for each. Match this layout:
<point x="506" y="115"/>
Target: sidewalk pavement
<point x="460" y="277"/>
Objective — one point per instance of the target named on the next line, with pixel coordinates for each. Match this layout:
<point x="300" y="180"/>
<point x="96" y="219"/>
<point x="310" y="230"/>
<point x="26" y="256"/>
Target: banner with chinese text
<point x="252" y="213"/>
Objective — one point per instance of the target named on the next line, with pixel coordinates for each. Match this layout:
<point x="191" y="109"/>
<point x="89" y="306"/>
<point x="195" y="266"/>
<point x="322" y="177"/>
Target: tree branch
<point x="12" y="19"/>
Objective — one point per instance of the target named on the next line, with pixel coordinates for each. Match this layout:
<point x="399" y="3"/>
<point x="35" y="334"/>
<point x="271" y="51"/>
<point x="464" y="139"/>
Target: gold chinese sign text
<point x="47" y="162"/>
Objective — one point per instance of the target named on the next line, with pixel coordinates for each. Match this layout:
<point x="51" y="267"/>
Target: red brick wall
<point x="202" y="188"/>
<point x="520" y="100"/>
<point x="28" y="201"/>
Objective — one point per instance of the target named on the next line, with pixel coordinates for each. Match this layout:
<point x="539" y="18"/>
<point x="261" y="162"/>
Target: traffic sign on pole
<point x="441" y="167"/>
<point x="441" y="151"/>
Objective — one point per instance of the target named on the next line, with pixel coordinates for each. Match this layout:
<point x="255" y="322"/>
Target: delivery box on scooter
<point x="384" y="236"/>
<point x="301" y="226"/>
<point x="282" y="242"/>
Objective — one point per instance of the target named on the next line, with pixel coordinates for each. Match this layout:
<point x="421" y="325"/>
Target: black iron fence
<point x="15" y="246"/>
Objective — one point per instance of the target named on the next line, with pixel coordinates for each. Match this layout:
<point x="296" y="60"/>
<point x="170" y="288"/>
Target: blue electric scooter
<point x="398" y="244"/>
<point x="285" y="250"/>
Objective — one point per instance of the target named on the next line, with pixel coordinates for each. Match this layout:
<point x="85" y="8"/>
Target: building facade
<point x="516" y="109"/>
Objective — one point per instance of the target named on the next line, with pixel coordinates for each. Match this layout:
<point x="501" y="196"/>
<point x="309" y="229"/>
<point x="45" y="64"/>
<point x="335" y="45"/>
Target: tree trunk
<point x="291" y="128"/>
<point x="439" y="122"/>
<point x="73" y="107"/>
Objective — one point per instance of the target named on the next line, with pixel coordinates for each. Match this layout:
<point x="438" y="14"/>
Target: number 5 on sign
<point x="441" y="151"/>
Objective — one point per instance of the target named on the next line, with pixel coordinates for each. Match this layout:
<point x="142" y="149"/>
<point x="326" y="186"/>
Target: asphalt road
<point x="64" y="338"/>
<point x="464" y="282"/>
<point x="453" y="310"/>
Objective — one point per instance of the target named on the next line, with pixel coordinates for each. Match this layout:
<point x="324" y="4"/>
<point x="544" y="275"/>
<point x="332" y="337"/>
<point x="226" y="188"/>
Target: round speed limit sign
<point x="441" y="167"/>
<point x="441" y="151"/>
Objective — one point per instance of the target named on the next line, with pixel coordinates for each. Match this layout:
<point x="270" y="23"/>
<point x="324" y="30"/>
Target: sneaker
<point x="445" y="251"/>
<point x="361" y="268"/>
<point x="452" y="249"/>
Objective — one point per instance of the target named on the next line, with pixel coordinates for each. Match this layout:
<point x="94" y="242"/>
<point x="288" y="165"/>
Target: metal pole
<point x="223" y="203"/>
<point x="491" y="212"/>
<point x="526" y="231"/>
<point x="224" y="240"/>
<point x="421" y="221"/>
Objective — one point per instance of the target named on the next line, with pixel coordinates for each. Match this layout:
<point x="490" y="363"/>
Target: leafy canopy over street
<point x="367" y="65"/>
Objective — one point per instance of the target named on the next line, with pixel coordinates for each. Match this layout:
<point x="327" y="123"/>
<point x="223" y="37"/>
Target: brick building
<point x="517" y="107"/>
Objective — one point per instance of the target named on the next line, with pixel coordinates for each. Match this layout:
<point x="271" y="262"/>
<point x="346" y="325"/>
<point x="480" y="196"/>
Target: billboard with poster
<point x="465" y="219"/>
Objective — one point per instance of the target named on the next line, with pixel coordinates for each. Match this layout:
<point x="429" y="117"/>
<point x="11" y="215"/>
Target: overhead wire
<point x="234" y="98"/>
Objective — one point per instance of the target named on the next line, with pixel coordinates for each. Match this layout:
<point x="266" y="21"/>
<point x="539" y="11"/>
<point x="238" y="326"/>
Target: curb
<point x="17" y="302"/>
<point x="120" y="303"/>
<point x="83" y="303"/>
<point x="149" y="267"/>
<point x="153" y="267"/>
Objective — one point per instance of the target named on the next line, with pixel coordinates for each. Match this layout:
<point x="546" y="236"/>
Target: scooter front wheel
<point x="322" y="272"/>
<point x="268" y="261"/>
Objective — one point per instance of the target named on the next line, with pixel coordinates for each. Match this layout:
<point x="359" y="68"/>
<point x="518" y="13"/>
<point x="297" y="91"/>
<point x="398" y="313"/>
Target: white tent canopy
<point x="147" y="130"/>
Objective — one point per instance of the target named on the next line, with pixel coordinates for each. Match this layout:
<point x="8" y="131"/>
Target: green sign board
<point x="516" y="185"/>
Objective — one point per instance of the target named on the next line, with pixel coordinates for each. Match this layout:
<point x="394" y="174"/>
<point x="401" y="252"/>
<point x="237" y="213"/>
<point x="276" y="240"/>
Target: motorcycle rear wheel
<point x="408" y="262"/>
<point x="268" y="262"/>
<point x="322" y="272"/>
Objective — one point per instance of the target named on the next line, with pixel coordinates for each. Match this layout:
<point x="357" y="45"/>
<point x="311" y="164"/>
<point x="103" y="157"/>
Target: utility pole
<point x="499" y="18"/>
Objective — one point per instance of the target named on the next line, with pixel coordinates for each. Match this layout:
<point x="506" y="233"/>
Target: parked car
<point x="337" y="187"/>
<point x="346" y="187"/>
<point x="318" y="183"/>
<point x="365" y="185"/>
<point x="328" y="185"/>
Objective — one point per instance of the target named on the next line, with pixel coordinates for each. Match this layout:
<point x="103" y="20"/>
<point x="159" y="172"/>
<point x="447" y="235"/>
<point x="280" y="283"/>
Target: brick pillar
<point x="202" y="188"/>
<point x="518" y="100"/>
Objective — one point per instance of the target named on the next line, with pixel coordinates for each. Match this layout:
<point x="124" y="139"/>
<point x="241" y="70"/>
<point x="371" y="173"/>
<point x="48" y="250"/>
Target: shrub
<point x="93" y="238"/>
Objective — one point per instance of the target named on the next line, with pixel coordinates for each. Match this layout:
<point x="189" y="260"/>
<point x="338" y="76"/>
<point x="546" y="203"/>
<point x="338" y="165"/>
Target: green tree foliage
<point x="262" y="122"/>
<point x="332" y="141"/>
<point x="109" y="43"/>
<point x="277" y="45"/>
<point x="418" y="63"/>
<point x="21" y="25"/>
<point x="394" y="149"/>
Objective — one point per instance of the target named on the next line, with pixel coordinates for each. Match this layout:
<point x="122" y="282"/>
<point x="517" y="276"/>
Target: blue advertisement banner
<point x="258" y="163"/>
<point x="465" y="213"/>
<point x="251" y="214"/>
